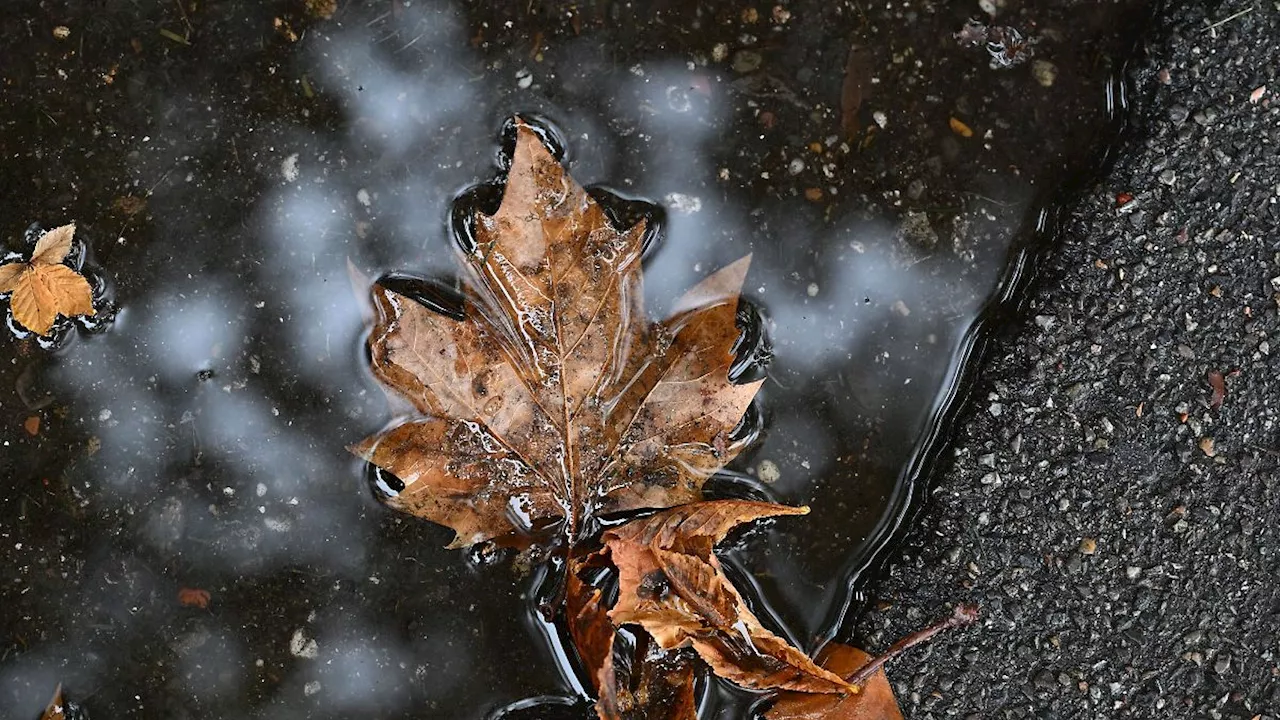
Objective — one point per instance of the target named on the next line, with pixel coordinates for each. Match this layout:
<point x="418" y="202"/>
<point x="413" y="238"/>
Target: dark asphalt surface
<point x="1118" y="530"/>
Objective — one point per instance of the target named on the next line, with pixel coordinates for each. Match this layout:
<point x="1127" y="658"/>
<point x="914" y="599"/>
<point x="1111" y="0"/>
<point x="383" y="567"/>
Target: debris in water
<point x="323" y="9"/>
<point x="857" y="85"/>
<point x="289" y="168"/>
<point x="32" y="425"/>
<point x="1006" y="45"/>
<point x="193" y="597"/>
<point x="959" y="128"/>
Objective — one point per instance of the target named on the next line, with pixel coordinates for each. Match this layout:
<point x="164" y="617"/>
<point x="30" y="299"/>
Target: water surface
<point x="197" y="442"/>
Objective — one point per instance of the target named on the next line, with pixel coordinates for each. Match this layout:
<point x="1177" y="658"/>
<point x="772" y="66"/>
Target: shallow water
<point x="198" y="441"/>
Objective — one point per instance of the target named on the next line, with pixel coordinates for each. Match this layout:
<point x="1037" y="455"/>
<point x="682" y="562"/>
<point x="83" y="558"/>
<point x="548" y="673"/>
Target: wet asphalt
<point x="1117" y="522"/>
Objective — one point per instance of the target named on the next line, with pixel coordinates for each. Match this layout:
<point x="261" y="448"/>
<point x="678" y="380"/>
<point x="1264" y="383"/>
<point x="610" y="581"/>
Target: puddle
<point x="198" y="442"/>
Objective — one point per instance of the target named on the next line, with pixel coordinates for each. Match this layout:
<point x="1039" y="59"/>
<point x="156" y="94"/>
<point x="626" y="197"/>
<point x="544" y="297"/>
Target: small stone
<point x="302" y="646"/>
<point x="745" y="61"/>
<point x="1044" y="72"/>
<point x="1132" y="572"/>
<point x="768" y="471"/>
<point x="62" y="32"/>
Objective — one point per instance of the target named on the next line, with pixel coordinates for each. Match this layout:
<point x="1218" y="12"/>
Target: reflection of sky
<point x="242" y="471"/>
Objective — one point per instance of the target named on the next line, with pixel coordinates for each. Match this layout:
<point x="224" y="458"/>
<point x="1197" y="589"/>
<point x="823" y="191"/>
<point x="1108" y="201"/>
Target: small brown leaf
<point x="671" y="584"/>
<point x="193" y="597"/>
<point x="32" y="425"/>
<point x="44" y="288"/>
<point x="874" y="702"/>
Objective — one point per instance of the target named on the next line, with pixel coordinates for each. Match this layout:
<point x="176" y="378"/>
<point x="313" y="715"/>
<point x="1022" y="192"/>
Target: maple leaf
<point x="671" y="584"/>
<point x="44" y="288"/>
<point x="555" y="399"/>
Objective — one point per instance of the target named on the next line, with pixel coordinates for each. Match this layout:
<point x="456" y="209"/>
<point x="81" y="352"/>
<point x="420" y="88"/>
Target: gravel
<point x="1117" y="529"/>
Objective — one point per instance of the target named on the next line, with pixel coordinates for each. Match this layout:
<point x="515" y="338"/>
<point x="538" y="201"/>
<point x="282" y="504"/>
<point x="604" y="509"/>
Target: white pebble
<point x="289" y="168"/>
<point x="302" y="646"/>
<point x="768" y="471"/>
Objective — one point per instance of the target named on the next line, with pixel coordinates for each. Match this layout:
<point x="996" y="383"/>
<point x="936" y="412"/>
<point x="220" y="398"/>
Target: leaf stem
<point x="964" y="614"/>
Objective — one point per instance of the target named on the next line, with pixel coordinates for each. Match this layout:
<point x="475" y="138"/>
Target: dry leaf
<point x="555" y="399"/>
<point x="44" y="288"/>
<point x="874" y="702"/>
<point x="672" y="585"/>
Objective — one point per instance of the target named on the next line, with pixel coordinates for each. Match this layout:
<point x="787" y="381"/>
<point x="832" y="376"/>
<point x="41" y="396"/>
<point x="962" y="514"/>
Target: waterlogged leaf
<point x="633" y="677"/>
<point x="874" y="701"/>
<point x="672" y="585"/>
<point x="56" y="709"/>
<point x="555" y="399"/>
<point x="44" y="288"/>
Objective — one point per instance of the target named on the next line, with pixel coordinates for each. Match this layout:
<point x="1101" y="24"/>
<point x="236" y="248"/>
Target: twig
<point x="1227" y="19"/>
<point x="964" y="614"/>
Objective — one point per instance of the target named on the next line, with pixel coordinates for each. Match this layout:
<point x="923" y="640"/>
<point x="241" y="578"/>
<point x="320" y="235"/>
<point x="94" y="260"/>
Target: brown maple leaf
<point x="671" y="584"/>
<point x="555" y="399"/>
<point x="44" y="288"/>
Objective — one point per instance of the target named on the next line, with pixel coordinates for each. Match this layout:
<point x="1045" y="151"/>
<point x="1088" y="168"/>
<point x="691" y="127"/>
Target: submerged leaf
<point x="555" y="399"/>
<point x="56" y="710"/>
<point x="633" y="677"/>
<point x="44" y="288"/>
<point x="874" y="701"/>
<point x="672" y="585"/>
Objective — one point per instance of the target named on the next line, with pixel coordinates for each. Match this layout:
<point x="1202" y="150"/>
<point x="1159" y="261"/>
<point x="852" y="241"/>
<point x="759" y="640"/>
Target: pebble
<point x="1044" y="72"/>
<point x="768" y="471"/>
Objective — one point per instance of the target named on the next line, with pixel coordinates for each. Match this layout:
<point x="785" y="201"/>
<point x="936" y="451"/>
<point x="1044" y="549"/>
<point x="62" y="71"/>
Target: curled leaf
<point x="672" y="585"/>
<point x="633" y="677"/>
